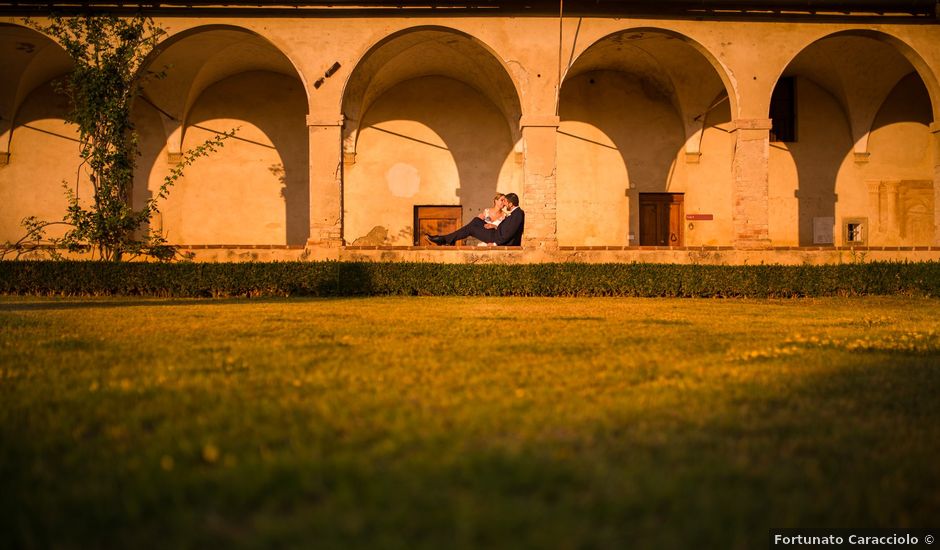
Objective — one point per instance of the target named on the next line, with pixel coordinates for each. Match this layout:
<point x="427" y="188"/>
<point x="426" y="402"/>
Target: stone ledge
<point x="633" y="248"/>
<point x="614" y="254"/>
<point x="752" y="123"/>
<point x="539" y="121"/>
<point x="770" y="248"/>
<point x="240" y="246"/>
<point x="324" y="121"/>
<point x="444" y="248"/>
<point x="705" y="255"/>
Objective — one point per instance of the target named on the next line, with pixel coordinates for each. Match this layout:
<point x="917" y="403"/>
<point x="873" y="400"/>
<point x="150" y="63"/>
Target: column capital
<point x="539" y="121"/>
<point x="753" y="124"/>
<point x="316" y="120"/>
<point x="935" y="127"/>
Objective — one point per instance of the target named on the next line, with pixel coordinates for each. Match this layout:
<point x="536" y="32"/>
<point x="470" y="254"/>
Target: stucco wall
<point x="710" y="180"/>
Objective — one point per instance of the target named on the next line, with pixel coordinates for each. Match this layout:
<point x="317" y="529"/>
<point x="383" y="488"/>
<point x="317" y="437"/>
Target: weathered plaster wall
<point x="710" y="181"/>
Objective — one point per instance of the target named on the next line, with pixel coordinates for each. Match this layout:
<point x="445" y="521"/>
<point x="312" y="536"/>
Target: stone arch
<point x="639" y="102"/>
<point x="274" y="41"/>
<point x="30" y="59"/>
<point x="208" y="65"/>
<point x="843" y="82"/>
<point x="38" y="148"/>
<point x="730" y="87"/>
<point x="909" y="53"/>
<point x="216" y="78"/>
<point x="431" y="118"/>
<point x="366" y="82"/>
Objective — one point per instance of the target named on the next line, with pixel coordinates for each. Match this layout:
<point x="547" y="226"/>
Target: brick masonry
<point x="751" y="184"/>
<point x="326" y="184"/>
<point x="539" y="198"/>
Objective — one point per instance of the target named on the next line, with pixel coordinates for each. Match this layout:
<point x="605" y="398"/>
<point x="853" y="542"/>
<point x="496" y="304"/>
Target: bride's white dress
<point x="487" y="217"/>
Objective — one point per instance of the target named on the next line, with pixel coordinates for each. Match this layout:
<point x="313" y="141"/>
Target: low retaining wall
<point x="653" y="255"/>
<point x="714" y="255"/>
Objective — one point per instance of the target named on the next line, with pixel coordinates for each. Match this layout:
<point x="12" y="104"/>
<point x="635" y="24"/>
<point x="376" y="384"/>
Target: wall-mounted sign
<point x="698" y="217"/>
<point x="824" y="230"/>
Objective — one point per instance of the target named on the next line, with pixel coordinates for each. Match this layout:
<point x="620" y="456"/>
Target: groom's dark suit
<point x="507" y="233"/>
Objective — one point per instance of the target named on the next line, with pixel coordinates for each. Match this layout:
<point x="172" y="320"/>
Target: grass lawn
<point x="464" y="422"/>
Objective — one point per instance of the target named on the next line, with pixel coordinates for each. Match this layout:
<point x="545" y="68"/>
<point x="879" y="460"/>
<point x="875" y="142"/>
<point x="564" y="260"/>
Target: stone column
<point x="539" y="135"/>
<point x="876" y="223"/>
<point x="891" y="210"/>
<point x="326" y="186"/>
<point x="935" y="138"/>
<point x="751" y="187"/>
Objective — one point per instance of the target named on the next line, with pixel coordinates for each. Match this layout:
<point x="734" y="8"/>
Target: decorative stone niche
<point x="901" y="212"/>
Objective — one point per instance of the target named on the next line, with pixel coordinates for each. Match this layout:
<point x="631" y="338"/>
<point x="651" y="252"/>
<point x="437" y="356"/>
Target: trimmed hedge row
<point x="86" y="278"/>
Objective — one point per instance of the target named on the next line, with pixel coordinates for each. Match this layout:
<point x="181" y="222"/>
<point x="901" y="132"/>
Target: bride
<point x="493" y="216"/>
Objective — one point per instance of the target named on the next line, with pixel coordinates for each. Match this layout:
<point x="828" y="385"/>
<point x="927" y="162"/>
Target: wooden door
<point x="436" y="220"/>
<point x="661" y="217"/>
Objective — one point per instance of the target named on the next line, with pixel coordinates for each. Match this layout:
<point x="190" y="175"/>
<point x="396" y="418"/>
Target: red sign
<point x="699" y="217"/>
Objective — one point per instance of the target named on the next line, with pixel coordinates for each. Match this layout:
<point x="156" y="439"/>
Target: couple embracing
<point x="501" y="225"/>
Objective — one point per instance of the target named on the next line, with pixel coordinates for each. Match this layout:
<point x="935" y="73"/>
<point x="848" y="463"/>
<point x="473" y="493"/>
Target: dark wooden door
<point x="436" y="220"/>
<point x="661" y="219"/>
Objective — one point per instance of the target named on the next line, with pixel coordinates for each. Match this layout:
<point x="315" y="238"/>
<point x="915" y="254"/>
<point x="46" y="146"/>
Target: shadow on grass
<point x="672" y="465"/>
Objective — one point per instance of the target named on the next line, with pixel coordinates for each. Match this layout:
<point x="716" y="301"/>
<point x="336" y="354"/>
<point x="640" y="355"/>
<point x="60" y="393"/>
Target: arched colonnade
<point x="631" y="135"/>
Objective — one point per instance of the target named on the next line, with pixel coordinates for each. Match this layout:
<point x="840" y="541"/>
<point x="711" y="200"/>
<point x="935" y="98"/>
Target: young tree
<point x="110" y="55"/>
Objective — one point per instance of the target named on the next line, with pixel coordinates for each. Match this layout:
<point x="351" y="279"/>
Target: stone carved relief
<point x="901" y="212"/>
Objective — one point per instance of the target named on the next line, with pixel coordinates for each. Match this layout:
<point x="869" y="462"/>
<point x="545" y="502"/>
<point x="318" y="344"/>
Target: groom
<point x="507" y="233"/>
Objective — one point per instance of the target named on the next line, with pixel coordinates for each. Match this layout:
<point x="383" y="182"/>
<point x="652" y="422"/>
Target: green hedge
<point x="84" y="278"/>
